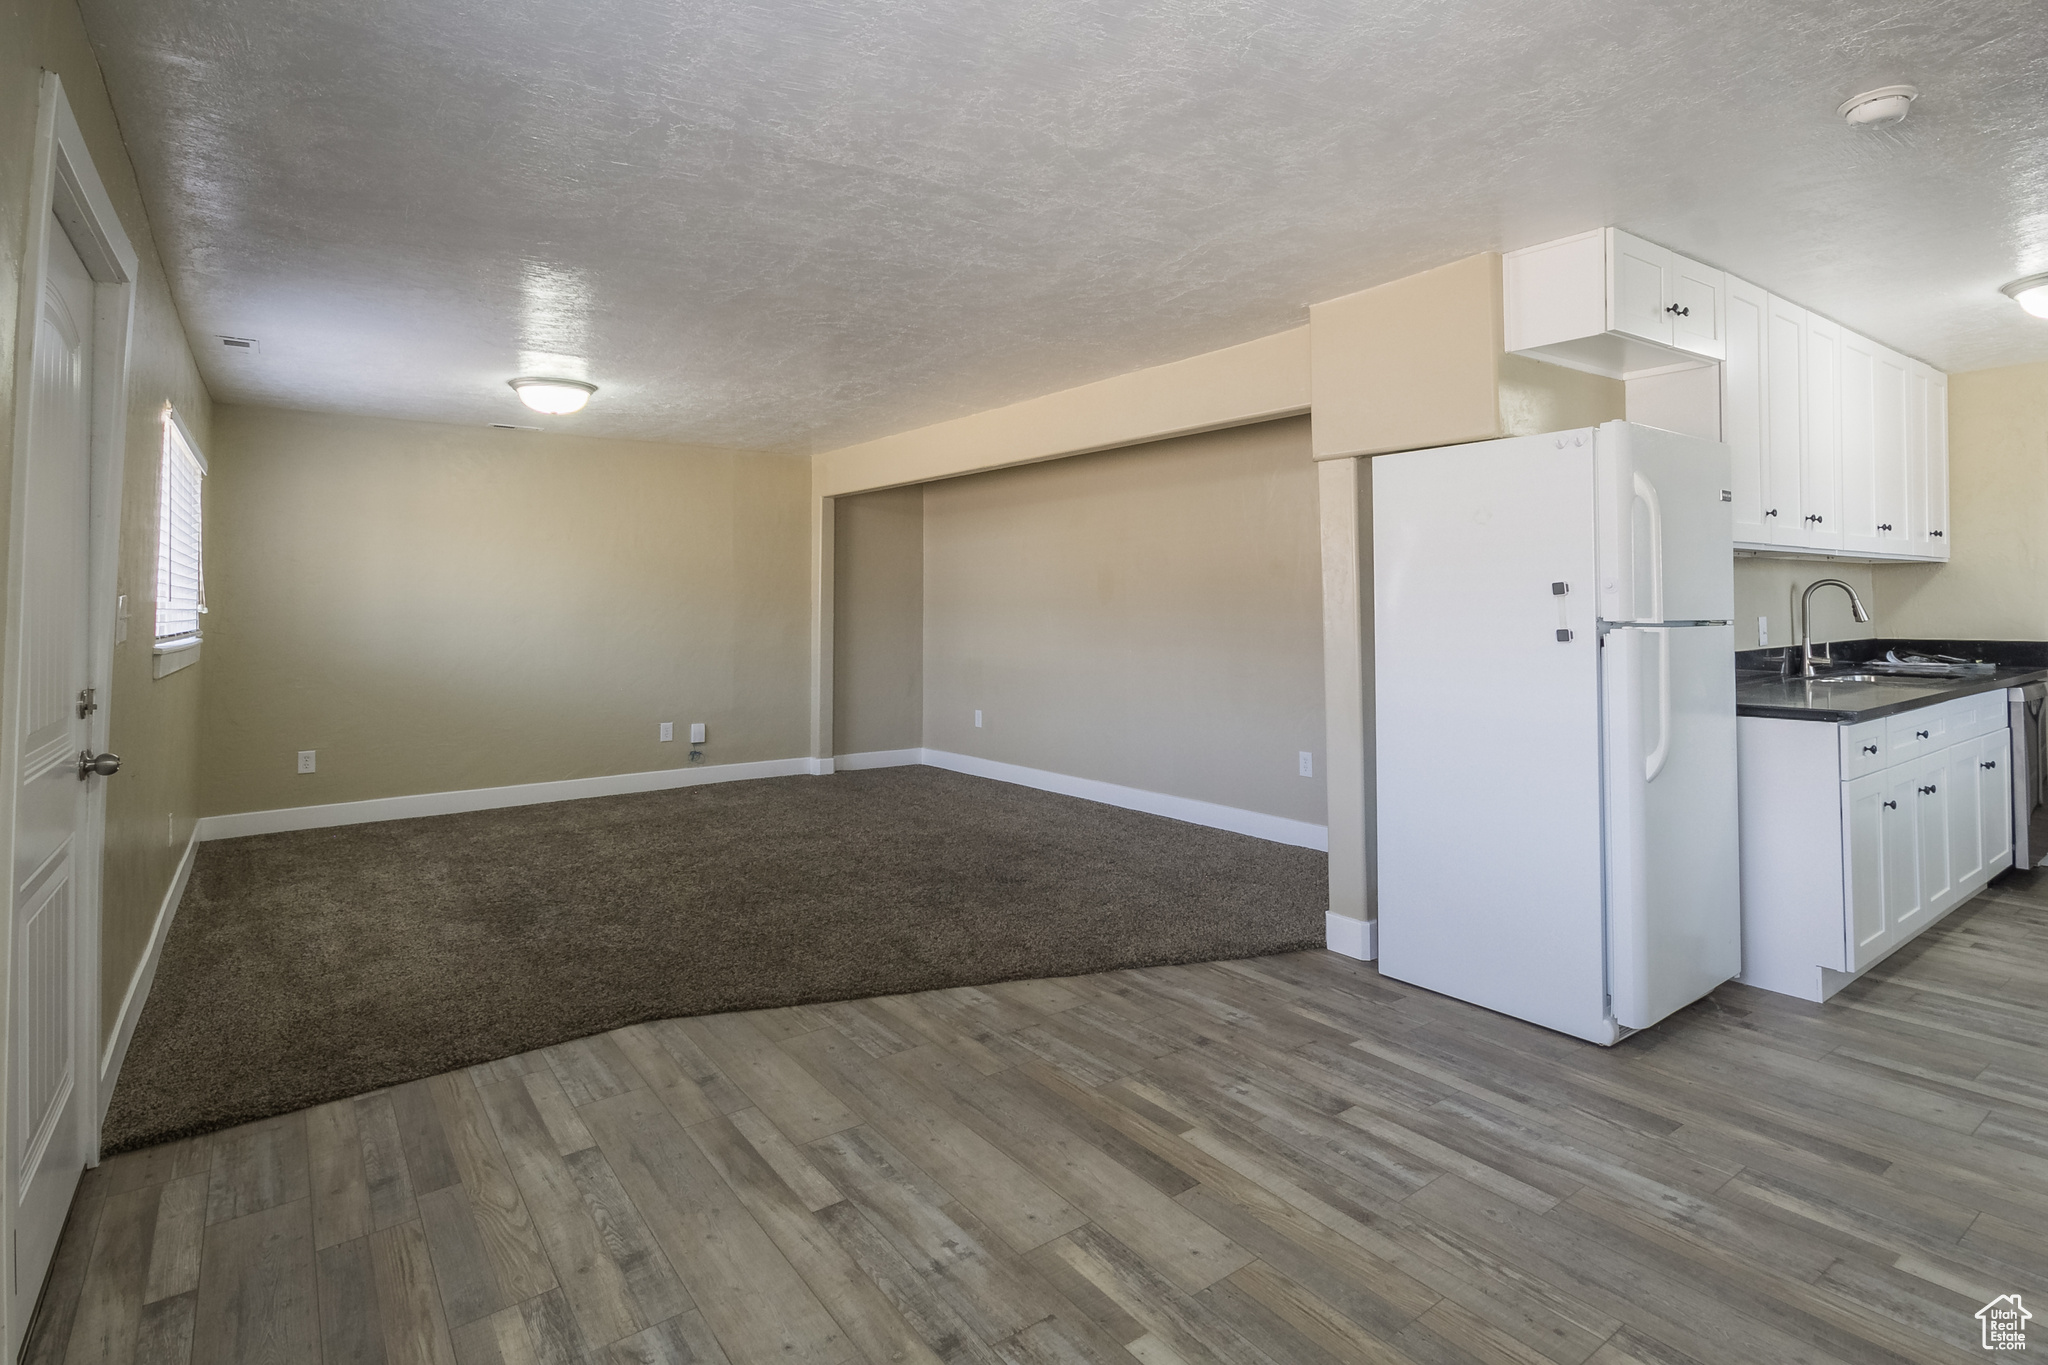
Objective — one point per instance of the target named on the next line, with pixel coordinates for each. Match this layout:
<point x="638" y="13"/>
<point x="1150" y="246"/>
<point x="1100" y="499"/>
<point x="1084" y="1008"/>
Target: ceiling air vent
<point x="511" y="426"/>
<point x="241" y="345"/>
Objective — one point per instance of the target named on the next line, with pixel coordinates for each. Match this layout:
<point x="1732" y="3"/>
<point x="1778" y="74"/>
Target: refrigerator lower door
<point x="1674" y="911"/>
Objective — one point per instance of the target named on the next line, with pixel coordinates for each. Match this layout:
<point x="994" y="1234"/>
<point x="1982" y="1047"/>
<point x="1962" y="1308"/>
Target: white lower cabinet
<point x="1855" y="839"/>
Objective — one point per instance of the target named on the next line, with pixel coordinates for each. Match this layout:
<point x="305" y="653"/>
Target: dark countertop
<point x="1760" y="689"/>
<point x="1767" y="694"/>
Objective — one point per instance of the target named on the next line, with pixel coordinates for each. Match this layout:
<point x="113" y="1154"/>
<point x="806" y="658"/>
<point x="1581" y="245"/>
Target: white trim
<point x="1258" y="824"/>
<point x="145" y="976"/>
<point x="168" y="656"/>
<point x="1356" y="938"/>
<point x="491" y="798"/>
<point x="878" y="758"/>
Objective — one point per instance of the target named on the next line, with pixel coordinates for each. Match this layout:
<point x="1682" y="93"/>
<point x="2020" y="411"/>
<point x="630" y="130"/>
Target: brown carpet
<point x="307" y="966"/>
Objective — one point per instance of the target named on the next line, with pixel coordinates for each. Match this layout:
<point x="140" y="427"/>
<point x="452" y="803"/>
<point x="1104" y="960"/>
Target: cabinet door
<point x="1697" y="301"/>
<point x="1863" y="857"/>
<point x="1930" y="817"/>
<point x="1856" y="430"/>
<point x="1931" y="477"/>
<point x="1742" y="414"/>
<point x="1891" y="422"/>
<point x="1964" y="796"/>
<point x="1901" y="820"/>
<point x="1638" y="288"/>
<point x="1785" y="421"/>
<point x="1820" y="497"/>
<point x="1994" y="780"/>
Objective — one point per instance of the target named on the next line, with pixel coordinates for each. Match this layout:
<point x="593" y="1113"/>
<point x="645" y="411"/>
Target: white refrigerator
<point x="1554" y="704"/>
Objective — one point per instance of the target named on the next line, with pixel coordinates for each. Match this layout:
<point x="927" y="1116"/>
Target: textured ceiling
<point x="793" y="224"/>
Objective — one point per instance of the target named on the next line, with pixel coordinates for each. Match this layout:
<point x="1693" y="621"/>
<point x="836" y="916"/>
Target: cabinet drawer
<point x="1863" y="748"/>
<point x="1909" y="736"/>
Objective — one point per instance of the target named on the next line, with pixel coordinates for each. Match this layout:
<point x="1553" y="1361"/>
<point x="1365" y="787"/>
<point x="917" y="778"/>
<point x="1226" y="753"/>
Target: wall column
<point x="1345" y="493"/>
<point x="824" y="524"/>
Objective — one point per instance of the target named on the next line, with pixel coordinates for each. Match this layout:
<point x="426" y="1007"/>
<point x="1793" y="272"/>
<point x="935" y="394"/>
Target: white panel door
<point x="1638" y="288"/>
<point x="1821" y="469"/>
<point x="1674" y="867"/>
<point x="1994" y="780"/>
<point x="1930" y="480"/>
<point x="1891" y="421"/>
<point x="1859" y="444"/>
<point x="46" y="1129"/>
<point x="1489" y="864"/>
<point x="1863" y="815"/>
<point x="1964" y="793"/>
<point x="1902" y="899"/>
<point x="1930" y="820"/>
<point x="1742" y="414"/>
<point x="1697" y="299"/>
<point x="1785" y="422"/>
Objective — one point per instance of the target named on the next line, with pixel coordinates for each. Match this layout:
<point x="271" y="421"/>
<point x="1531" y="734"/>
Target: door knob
<point x="106" y="765"/>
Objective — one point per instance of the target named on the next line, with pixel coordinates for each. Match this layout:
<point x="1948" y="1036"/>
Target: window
<point x="180" y="565"/>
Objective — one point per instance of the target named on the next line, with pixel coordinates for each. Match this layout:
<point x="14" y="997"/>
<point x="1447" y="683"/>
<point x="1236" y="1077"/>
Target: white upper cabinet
<point x="1742" y="414"/>
<point x="1840" y="445"/>
<point x="1613" y="304"/>
<point x="1821" y="474"/>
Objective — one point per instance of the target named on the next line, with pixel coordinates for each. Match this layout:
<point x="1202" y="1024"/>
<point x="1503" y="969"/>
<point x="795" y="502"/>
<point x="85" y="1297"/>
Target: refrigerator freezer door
<point x="1667" y="535"/>
<point x="1674" y="911"/>
<point x="1487" y="729"/>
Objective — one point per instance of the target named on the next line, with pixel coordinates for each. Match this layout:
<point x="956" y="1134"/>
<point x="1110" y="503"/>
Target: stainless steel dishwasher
<point x="2029" y="775"/>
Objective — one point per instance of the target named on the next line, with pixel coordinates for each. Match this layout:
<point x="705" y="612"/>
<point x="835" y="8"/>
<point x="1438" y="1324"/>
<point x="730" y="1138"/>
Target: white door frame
<point x="65" y="187"/>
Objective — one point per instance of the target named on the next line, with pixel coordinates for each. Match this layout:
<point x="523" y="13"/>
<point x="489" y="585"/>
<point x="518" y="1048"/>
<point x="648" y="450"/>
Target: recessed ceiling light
<point x="556" y="397"/>
<point x="1876" y="108"/>
<point x="2030" y="293"/>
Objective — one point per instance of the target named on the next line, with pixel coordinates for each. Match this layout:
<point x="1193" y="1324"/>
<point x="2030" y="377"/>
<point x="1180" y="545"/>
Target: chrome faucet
<point x="1806" y="618"/>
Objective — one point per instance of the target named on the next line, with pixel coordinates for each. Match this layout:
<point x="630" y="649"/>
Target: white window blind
<point x="180" y="567"/>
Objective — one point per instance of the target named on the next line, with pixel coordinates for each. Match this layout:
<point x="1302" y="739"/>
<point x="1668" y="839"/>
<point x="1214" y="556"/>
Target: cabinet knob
<point x="1870" y="748"/>
<point x="1676" y="311"/>
<point x="1772" y="513"/>
<point x="1927" y="791"/>
<point x="1921" y="733"/>
<point x="1987" y="765"/>
<point x="1884" y="526"/>
<point x="1891" y="805"/>
<point x="1935" y="534"/>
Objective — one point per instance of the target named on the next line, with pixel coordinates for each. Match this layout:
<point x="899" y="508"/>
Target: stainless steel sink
<point x="1875" y="678"/>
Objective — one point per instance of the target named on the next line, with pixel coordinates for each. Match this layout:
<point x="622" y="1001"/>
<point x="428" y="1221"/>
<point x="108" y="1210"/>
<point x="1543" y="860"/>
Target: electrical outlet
<point x="1308" y="764"/>
<point x="668" y="731"/>
<point x="306" y="760"/>
<point x="977" y="720"/>
<point x="1763" y="631"/>
<point x="171" y="829"/>
<point x="697" y="732"/>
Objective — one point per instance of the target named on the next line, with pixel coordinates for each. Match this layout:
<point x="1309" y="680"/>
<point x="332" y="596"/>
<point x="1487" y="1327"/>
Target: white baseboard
<point x="1259" y="825"/>
<point x="1278" y="829"/>
<point x="879" y="758"/>
<point x="1359" y="938"/>
<point x="145" y="976"/>
<point x="490" y="798"/>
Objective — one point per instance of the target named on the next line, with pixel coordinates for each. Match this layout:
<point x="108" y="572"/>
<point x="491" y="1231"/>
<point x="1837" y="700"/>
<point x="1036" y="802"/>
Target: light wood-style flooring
<point x="1278" y="1160"/>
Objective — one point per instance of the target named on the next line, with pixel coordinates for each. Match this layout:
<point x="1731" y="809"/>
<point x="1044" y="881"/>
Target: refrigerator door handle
<point x="1653" y="762"/>
<point x="1646" y="494"/>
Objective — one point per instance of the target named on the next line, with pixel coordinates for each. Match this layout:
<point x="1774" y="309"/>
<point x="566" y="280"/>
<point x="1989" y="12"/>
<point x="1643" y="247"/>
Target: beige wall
<point x="1996" y="585"/>
<point x="1150" y="617"/>
<point x="153" y="724"/>
<point x="434" y="608"/>
<point x="878" y="621"/>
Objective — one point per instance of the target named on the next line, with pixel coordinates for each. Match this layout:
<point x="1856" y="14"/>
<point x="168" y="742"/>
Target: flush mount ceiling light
<point x="555" y="397"/>
<point x="1876" y="108"/>
<point x="2030" y="293"/>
